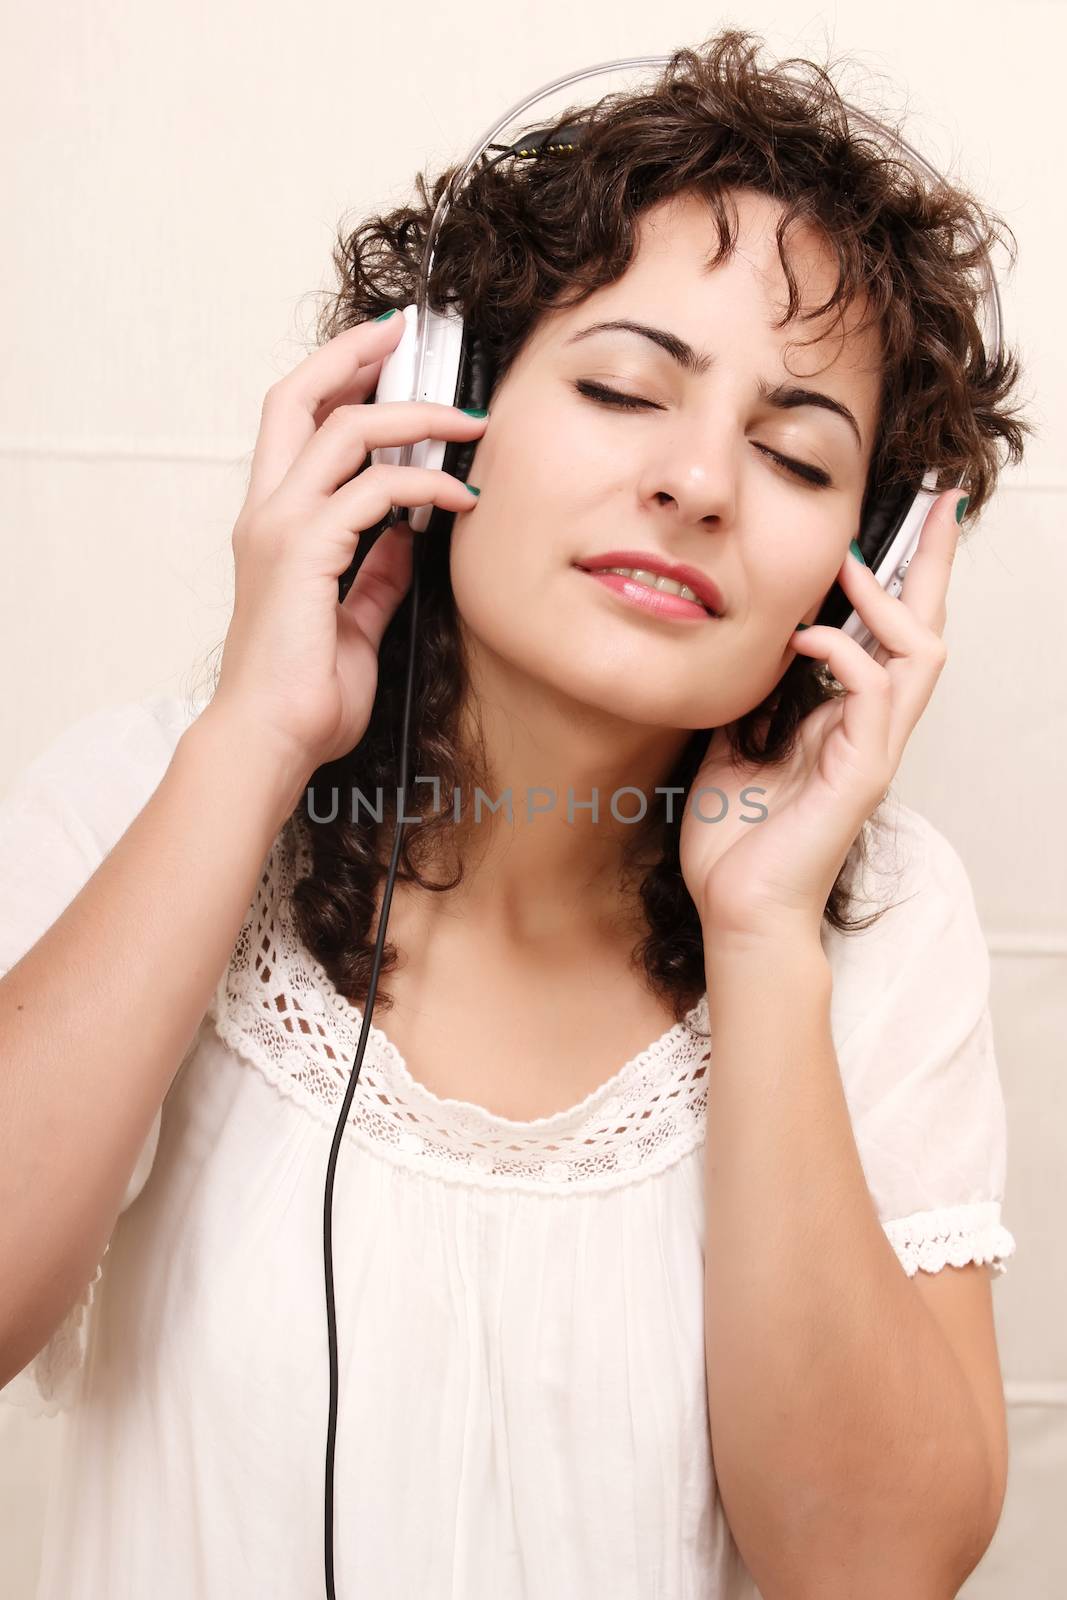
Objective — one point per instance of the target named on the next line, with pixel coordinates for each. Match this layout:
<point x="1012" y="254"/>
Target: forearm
<point x="849" y="1454"/>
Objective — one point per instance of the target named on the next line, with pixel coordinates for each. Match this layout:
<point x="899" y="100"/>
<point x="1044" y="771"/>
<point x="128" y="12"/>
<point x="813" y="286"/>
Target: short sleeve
<point x="914" y="1037"/>
<point x="59" y="819"/>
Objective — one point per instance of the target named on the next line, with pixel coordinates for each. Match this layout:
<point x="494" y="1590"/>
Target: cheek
<point x="497" y="571"/>
<point x="509" y="551"/>
<point x="789" y="573"/>
<point x="478" y="572"/>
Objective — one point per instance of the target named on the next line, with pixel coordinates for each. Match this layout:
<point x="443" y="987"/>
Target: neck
<point x="553" y="866"/>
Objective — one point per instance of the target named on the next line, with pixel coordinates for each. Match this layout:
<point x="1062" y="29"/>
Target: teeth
<point x="652" y="580"/>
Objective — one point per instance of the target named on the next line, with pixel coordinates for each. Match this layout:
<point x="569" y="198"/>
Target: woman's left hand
<point x="760" y="876"/>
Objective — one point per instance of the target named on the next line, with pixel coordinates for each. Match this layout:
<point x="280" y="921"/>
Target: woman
<point x="656" y="1328"/>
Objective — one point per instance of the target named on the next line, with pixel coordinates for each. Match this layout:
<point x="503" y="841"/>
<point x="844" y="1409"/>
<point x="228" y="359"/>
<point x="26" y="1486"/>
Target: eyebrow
<point x="785" y="396"/>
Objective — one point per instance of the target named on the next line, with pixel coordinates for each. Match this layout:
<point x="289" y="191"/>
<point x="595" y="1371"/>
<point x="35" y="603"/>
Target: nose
<point x="698" y="475"/>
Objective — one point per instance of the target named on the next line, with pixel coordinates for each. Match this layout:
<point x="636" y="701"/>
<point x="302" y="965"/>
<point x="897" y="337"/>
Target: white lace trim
<point x="51" y="1382"/>
<point x="952" y="1236"/>
<point x="279" y="1010"/>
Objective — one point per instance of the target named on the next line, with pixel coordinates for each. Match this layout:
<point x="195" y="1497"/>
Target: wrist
<point x="273" y="779"/>
<point x="779" y="933"/>
<point x="776" y="956"/>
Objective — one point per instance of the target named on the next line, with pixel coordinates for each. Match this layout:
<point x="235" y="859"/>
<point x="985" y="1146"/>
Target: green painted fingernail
<point x="385" y="314"/>
<point x="961" y="508"/>
<point x="472" y="411"/>
<point x="802" y="625"/>
<point x="857" y="552"/>
<point x="472" y="489"/>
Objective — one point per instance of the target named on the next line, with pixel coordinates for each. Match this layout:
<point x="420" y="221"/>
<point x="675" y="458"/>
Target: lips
<point x="648" y="561"/>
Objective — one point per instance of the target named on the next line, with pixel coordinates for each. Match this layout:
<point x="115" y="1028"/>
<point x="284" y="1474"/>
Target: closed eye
<point x="814" y="476"/>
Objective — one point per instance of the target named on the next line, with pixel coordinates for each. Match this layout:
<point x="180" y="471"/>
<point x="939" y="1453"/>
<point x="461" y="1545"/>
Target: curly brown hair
<point x="526" y="236"/>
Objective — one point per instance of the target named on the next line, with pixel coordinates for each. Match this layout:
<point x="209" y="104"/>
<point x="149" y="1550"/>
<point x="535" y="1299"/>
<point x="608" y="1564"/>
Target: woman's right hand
<point x="299" y="670"/>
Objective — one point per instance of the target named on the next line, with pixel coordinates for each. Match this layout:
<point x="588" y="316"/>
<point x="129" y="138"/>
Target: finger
<point x="911" y="678"/>
<point x="926" y="582"/>
<point x="360" y="504"/>
<point x="380" y="584"/>
<point x="346" y="367"/>
<point x="901" y="623"/>
<point x="867" y="705"/>
<point x="893" y="625"/>
<point x="336" y="451"/>
<point x="910" y="628"/>
<point x="922" y="599"/>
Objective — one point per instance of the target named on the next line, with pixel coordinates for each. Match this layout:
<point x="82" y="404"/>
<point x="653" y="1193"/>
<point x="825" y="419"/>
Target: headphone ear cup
<point x="473" y="388"/>
<point x="474" y="385"/>
<point x="883" y="513"/>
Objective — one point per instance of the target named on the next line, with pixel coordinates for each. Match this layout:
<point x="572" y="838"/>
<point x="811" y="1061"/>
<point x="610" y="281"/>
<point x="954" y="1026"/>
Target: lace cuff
<point x="951" y="1236"/>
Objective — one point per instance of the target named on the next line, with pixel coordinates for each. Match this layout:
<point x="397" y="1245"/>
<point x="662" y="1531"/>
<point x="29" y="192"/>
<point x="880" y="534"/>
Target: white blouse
<point x="520" y="1305"/>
